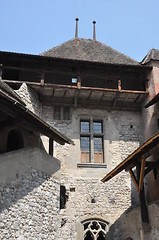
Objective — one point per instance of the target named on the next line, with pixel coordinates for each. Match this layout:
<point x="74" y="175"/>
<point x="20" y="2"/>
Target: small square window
<point x="74" y="80"/>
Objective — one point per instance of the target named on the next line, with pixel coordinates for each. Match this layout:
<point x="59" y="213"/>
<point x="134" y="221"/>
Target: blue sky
<point x="33" y="26"/>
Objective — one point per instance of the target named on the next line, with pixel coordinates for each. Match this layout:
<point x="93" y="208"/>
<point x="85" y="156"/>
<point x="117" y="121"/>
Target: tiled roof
<point x="89" y="50"/>
<point x="153" y="54"/>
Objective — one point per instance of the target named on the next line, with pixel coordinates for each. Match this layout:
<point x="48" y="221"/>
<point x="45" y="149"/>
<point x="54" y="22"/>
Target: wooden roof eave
<point x="24" y="56"/>
<point x="50" y="85"/>
<point x="131" y="161"/>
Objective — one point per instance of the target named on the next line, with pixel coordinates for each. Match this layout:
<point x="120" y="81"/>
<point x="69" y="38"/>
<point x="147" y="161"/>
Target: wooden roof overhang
<point x="138" y="157"/>
<point x="91" y="96"/>
<point x="12" y="110"/>
<point x="46" y="59"/>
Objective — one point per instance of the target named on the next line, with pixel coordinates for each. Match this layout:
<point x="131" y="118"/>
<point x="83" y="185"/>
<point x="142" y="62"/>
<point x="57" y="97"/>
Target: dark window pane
<point x="57" y="113"/>
<point x="98" y="144"/>
<point x="85" y="144"/>
<point x="66" y="113"/>
<point x="85" y="126"/>
<point x="97" y="127"/>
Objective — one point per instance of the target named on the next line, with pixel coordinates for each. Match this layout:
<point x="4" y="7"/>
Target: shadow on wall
<point x="22" y="172"/>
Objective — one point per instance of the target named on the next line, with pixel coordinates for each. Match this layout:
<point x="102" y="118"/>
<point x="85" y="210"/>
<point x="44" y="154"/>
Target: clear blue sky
<point x="33" y="26"/>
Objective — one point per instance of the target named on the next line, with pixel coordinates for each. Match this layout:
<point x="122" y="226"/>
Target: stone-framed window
<point x="91" y="141"/>
<point x="61" y="113"/>
<point x="94" y="229"/>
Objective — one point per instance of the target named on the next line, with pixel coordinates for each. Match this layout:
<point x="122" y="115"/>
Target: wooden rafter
<point x="142" y="170"/>
<point x="134" y="179"/>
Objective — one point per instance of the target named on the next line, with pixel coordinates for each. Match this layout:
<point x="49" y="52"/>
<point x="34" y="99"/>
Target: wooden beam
<point x="119" y="85"/>
<point x="150" y="166"/>
<point x="134" y="179"/>
<point x="143" y="206"/>
<point x="136" y="100"/>
<point x="36" y="84"/>
<point x="142" y="170"/>
<point x="42" y="80"/>
<point x="147" y="170"/>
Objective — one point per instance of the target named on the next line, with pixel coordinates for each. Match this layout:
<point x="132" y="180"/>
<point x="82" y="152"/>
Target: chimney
<point x="76" y="32"/>
<point x="94" y="30"/>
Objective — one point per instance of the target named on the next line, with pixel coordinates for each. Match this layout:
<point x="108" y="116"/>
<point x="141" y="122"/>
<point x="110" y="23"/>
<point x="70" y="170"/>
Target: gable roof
<point x="89" y="50"/>
<point x="153" y="54"/>
<point x="12" y="106"/>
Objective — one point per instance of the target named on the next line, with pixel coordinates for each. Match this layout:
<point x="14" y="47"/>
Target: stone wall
<point x="88" y="197"/>
<point x="29" y="207"/>
<point x="29" y="195"/>
<point x="30" y="98"/>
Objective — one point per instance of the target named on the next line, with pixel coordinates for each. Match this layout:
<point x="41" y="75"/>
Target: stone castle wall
<point x="88" y="197"/>
<point x="29" y="195"/>
<point x="29" y="207"/>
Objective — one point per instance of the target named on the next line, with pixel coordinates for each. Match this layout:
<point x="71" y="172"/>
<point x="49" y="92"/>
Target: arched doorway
<point x="95" y="229"/>
<point x="14" y="140"/>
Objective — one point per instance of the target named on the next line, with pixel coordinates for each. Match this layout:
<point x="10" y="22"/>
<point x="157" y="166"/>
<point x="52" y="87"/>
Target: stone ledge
<point x="91" y="165"/>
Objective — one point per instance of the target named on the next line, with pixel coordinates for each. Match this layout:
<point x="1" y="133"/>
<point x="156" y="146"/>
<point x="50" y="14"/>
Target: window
<point x="95" y="229"/>
<point x="63" y="197"/>
<point x="74" y="80"/>
<point x="66" y="113"/>
<point x="57" y="113"/>
<point x="61" y="113"/>
<point x="91" y="141"/>
<point x="14" y="141"/>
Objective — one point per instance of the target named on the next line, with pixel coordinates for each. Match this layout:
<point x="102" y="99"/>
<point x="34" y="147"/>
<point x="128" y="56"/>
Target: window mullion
<point x="91" y="142"/>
